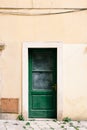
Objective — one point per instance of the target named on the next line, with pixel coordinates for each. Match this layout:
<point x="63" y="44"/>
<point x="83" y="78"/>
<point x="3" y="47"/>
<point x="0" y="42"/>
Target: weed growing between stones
<point x="28" y="124"/>
<point x="55" y="120"/>
<point x="62" y="126"/>
<point x="24" y="127"/>
<point x="20" y="117"/>
<point x="67" y="119"/>
<point x="51" y="128"/>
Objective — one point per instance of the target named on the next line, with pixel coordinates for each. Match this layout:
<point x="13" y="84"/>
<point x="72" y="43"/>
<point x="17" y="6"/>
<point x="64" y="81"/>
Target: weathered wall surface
<point x="44" y="3"/>
<point x="67" y="28"/>
<point x="75" y="81"/>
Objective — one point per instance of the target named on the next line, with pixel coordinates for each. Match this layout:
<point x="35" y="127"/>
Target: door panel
<point x="42" y="79"/>
<point x="42" y="102"/>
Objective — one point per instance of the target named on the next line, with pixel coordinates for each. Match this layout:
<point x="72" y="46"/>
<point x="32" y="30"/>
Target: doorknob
<point x="54" y="86"/>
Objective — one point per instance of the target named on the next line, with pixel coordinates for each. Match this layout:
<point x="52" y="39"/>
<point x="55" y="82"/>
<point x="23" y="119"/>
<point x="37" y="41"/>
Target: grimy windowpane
<point x="42" y="61"/>
<point x="42" y="80"/>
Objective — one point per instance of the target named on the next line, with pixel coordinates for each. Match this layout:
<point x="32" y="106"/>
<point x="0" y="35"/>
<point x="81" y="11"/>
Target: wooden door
<point x="42" y="82"/>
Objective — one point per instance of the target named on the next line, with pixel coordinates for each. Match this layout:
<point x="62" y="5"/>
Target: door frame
<point x="25" y="75"/>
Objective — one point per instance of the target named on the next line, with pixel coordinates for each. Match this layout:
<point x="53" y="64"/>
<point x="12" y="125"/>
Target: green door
<point x="42" y="82"/>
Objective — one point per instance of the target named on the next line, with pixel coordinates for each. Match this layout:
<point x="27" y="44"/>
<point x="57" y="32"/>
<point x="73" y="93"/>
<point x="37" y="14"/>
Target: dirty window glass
<point x="42" y="80"/>
<point x="42" y="61"/>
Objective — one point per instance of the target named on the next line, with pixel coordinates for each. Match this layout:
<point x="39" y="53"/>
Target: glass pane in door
<point x="42" y="80"/>
<point x="42" y="61"/>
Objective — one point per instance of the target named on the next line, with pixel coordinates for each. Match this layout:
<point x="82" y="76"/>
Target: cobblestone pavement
<point x="42" y="125"/>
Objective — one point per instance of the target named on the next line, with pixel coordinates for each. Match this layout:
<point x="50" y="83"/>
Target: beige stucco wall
<point x="44" y="3"/>
<point x="67" y="28"/>
<point x="75" y="81"/>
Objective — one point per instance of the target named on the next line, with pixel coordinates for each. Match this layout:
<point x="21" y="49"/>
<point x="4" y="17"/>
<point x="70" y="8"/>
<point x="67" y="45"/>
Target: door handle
<point x="54" y="87"/>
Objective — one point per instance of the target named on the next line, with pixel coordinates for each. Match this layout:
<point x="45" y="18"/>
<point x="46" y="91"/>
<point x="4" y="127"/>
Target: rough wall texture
<point x="75" y="81"/>
<point x="9" y="105"/>
<point x="44" y="3"/>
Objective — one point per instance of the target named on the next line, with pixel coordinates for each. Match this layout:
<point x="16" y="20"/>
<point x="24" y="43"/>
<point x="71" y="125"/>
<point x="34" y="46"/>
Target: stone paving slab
<point x="42" y="125"/>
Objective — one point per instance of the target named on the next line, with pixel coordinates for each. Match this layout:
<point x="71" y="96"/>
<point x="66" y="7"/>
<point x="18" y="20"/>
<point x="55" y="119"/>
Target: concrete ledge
<point x="7" y="116"/>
